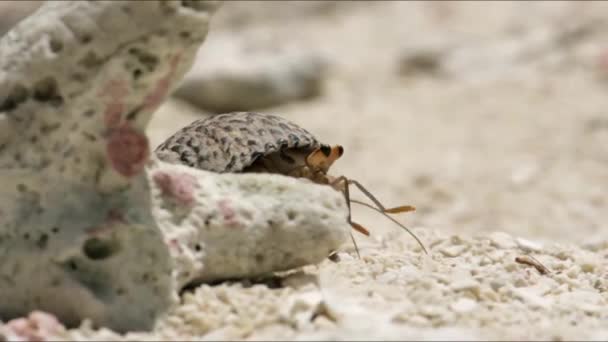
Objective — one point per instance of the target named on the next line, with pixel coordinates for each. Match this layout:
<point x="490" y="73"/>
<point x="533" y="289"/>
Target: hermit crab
<point x="255" y="142"/>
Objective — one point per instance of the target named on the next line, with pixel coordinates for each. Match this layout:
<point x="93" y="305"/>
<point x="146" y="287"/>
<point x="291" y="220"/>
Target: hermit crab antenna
<point x="395" y="221"/>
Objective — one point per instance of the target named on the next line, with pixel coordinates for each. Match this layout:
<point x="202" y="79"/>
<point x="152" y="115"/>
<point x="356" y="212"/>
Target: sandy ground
<point x="513" y="142"/>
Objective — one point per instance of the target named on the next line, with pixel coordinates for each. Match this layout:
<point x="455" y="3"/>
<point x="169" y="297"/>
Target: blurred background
<point x="487" y="116"/>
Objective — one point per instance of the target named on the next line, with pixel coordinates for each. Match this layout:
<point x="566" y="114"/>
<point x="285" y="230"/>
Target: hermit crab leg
<point x="381" y="208"/>
<point x="396" y="222"/>
<point x="355" y="225"/>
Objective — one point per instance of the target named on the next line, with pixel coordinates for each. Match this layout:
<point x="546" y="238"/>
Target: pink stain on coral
<point x="38" y="326"/>
<point x="128" y="150"/>
<point x="115" y="91"/>
<point x="602" y="62"/>
<point x="113" y="218"/>
<point x="174" y="245"/>
<point x="180" y="186"/>
<point x="228" y="213"/>
<point x="113" y="114"/>
<point x="156" y="97"/>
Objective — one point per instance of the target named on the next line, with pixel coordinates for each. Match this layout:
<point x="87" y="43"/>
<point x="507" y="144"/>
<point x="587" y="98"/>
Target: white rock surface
<point x="226" y="226"/>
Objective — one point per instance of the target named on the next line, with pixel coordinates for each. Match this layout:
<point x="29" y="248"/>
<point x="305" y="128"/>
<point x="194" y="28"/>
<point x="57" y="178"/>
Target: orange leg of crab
<point x="354" y="225"/>
<point x="381" y="209"/>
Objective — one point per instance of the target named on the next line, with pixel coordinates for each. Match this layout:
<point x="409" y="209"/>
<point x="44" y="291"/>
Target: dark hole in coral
<point x="46" y="90"/>
<point x="98" y="249"/>
<point x="196" y="5"/>
<point x="133" y="114"/>
<point x="120" y="291"/>
<point x="272" y="282"/>
<point x="197" y="247"/>
<point x="149" y="60"/>
<point x="78" y="77"/>
<point x="86" y="38"/>
<point x="89" y="60"/>
<point x="7" y="105"/>
<point x="291" y="215"/>
<point x="72" y="265"/>
<point x="17" y="96"/>
<point x="137" y="74"/>
<point x="21" y="187"/>
<point x="127" y="9"/>
<point x="259" y="258"/>
<point x="48" y="128"/>
<point x="55" y="230"/>
<point x="190" y="287"/>
<point x="42" y="241"/>
<point x="89" y="113"/>
<point x="90" y="137"/>
<point x="184" y="34"/>
<point x="26" y="236"/>
<point x="334" y="257"/>
<point x="55" y="45"/>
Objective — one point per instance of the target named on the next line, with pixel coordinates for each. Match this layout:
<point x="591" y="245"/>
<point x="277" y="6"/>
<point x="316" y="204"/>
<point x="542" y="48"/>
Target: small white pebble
<point x="464" y="284"/>
<point x="497" y="283"/>
<point x="415" y="320"/>
<point x="497" y="256"/>
<point x="502" y="240"/>
<point x="529" y="246"/>
<point x="590" y="308"/>
<point x="463" y="305"/>
<point x="523" y="174"/>
<point x="345" y="256"/>
<point x="387" y="278"/>
<point x="588" y="263"/>
<point x="431" y="311"/>
<point x="573" y="272"/>
<point x="453" y="251"/>
<point x="531" y="298"/>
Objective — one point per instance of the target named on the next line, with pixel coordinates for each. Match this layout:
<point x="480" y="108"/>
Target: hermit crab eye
<point x="340" y="151"/>
<point x="326" y="150"/>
